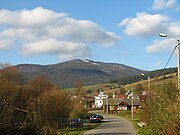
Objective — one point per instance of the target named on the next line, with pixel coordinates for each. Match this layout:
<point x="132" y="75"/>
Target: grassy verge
<point x="134" y="121"/>
<point x="77" y="131"/>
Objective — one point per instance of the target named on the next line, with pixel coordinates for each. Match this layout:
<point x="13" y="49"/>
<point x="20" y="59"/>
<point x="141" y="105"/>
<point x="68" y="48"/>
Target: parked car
<point x="96" y="118"/>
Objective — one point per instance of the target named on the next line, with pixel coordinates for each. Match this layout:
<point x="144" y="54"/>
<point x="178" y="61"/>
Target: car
<point x="96" y="118"/>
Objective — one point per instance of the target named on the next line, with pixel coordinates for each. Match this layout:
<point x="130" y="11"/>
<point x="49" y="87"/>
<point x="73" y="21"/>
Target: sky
<point x="114" y="31"/>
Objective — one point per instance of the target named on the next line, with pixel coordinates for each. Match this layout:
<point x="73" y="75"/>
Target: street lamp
<point x="178" y="56"/>
<point x="107" y="108"/>
<point x="149" y="79"/>
<point x="148" y="90"/>
<point x="132" y="104"/>
<point x="178" y="60"/>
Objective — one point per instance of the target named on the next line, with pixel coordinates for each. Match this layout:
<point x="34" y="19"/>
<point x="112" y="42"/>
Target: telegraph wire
<point x="167" y="62"/>
<point x="164" y="66"/>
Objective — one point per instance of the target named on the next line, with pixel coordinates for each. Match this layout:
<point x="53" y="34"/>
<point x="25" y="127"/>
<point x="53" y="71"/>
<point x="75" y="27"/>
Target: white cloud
<point x="145" y="25"/>
<point x="65" y="50"/>
<point x="166" y="45"/>
<point x="38" y="17"/>
<point x="124" y="22"/>
<point x="163" y="4"/>
<point x="37" y="27"/>
<point x="174" y="29"/>
<point x="6" y="44"/>
<point x="83" y="31"/>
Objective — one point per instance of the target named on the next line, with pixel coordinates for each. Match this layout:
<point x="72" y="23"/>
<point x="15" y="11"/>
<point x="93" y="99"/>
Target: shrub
<point x="164" y="110"/>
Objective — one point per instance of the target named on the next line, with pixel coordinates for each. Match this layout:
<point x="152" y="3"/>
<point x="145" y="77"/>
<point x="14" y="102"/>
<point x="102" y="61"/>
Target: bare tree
<point x="57" y="105"/>
<point x="9" y="83"/>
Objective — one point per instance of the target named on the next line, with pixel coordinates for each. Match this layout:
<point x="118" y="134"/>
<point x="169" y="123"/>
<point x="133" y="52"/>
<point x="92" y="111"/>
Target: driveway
<point x="113" y="125"/>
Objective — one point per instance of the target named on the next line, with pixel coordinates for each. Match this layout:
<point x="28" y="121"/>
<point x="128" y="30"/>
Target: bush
<point x="23" y="130"/>
<point x="78" y="111"/>
<point x="164" y="110"/>
<point x="57" y="105"/>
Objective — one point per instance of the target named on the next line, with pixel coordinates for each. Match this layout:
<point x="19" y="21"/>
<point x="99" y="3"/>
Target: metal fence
<point x="71" y="123"/>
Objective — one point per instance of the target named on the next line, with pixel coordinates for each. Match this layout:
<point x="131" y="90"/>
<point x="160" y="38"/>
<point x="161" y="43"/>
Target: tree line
<point x="151" y="74"/>
<point x="33" y="108"/>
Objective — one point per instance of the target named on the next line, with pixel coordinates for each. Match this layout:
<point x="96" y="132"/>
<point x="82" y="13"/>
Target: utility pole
<point x="178" y="63"/>
<point x="132" y="104"/>
<point x="107" y="108"/>
<point x="178" y="57"/>
<point x="148" y="89"/>
<point x="178" y="46"/>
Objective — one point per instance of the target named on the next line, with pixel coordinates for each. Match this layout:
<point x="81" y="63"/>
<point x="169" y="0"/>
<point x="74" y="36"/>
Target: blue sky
<point x="116" y="31"/>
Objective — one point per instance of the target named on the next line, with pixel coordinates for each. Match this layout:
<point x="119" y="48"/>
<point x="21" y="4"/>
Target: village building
<point x="99" y="99"/>
<point x="118" y="103"/>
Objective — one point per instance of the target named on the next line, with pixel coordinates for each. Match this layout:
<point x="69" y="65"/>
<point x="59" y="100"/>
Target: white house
<point x="99" y="99"/>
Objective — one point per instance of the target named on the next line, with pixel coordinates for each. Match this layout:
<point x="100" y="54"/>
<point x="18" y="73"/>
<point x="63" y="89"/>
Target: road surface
<point x="113" y="125"/>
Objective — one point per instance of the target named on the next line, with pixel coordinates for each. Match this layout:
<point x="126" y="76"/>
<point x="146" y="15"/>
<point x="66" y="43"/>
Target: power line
<point x="164" y="66"/>
<point x="167" y="62"/>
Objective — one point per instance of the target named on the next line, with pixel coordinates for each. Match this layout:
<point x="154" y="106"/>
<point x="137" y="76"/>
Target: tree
<point x="57" y="105"/>
<point x="9" y="85"/>
<point x="78" y="110"/>
<point x="120" y="91"/>
<point x="164" y="110"/>
<point x="79" y="89"/>
<point x="139" y="88"/>
<point x="34" y="91"/>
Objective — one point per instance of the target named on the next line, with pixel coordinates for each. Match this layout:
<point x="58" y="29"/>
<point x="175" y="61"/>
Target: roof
<point x="120" y="96"/>
<point x="117" y="101"/>
<point x="136" y="101"/>
<point x="112" y="101"/>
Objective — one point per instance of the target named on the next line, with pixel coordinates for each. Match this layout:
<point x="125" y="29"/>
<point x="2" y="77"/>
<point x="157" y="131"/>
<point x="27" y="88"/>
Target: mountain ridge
<point x="66" y="74"/>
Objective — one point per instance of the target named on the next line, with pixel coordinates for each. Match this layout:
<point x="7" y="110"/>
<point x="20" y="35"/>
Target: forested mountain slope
<point x="89" y="72"/>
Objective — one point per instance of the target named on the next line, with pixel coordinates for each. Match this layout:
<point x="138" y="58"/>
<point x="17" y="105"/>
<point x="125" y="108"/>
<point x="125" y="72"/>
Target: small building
<point x="126" y="104"/>
<point x="111" y="105"/>
<point x="99" y="99"/>
<point x="115" y="104"/>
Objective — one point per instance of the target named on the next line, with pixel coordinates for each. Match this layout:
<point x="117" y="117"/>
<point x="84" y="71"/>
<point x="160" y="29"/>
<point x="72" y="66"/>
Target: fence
<point x="71" y="123"/>
<point x="64" y="123"/>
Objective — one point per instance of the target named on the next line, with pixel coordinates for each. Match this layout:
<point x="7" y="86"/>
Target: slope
<point x="89" y="72"/>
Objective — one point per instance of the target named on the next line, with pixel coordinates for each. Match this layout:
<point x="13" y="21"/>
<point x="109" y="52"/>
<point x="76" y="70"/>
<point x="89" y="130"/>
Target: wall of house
<point x="99" y="99"/>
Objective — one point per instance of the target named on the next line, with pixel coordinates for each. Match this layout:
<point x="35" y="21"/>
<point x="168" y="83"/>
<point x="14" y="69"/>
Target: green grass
<point x="134" y="121"/>
<point x="145" y="131"/>
<point x="78" y="131"/>
<point x="93" y="88"/>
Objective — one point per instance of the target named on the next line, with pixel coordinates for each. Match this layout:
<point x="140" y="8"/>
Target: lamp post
<point x="149" y="79"/>
<point x="149" y="84"/>
<point x="132" y="101"/>
<point x="107" y="108"/>
<point x="178" y="56"/>
<point x="178" y="62"/>
<point x="132" y="104"/>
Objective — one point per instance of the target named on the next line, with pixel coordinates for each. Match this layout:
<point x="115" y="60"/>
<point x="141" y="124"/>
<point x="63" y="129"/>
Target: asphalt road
<point x="113" y="125"/>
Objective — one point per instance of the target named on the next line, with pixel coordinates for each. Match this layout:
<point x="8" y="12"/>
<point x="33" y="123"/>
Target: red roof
<point x="120" y="96"/>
